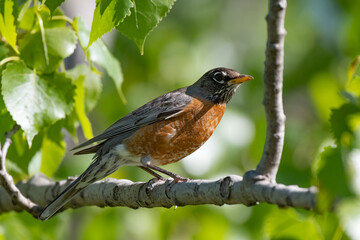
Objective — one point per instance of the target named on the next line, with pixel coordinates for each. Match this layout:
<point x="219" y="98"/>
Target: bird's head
<point x="220" y="84"/>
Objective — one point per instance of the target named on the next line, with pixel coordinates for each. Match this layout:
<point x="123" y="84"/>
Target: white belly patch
<point x="124" y="156"/>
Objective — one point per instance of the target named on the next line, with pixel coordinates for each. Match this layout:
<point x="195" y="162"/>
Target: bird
<point x="163" y="131"/>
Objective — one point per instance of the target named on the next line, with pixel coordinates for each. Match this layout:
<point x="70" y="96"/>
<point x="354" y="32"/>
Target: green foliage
<point x="144" y="17"/>
<point x="337" y="170"/>
<point x="53" y="4"/>
<point x="46" y="53"/>
<point x="332" y="174"/>
<point x="36" y="101"/>
<point x="107" y="15"/>
<point x="7" y="23"/>
<point x="100" y="54"/>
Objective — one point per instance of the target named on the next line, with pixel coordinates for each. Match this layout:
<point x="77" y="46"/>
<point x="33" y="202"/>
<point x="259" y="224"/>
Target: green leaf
<point x="343" y="123"/>
<point x="352" y="68"/>
<point x="23" y="8"/>
<point x="60" y="42"/>
<point x="289" y="224"/>
<point x="52" y="150"/>
<point x="92" y="84"/>
<point x="324" y="101"/>
<point x="53" y="4"/>
<point x="100" y="54"/>
<point x="353" y="87"/>
<point x="3" y="50"/>
<point x="27" y="21"/>
<point x="7" y="23"/>
<point x="107" y="15"/>
<point x="36" y="101"/>
<point x="144" y="17"/>
<point x="332" y="173"/>
<point x="80" y="108"/>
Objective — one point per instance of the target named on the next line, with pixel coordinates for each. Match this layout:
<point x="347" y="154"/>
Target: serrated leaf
<point x="60" y="42"/>
<point x="144" y="17"/>
<point x="36" y="101"/>
<point x="332" y="173"/>
<point x="52" y="150"/>
<point x="107" y="15"/>
<point x="92" y="84"/>
<point x="100" y="54"/>
<point x="341" y="125"/>
<point x="53" y="4"/>
<point x="80" y="107"/>
<point x="7" y="23"/>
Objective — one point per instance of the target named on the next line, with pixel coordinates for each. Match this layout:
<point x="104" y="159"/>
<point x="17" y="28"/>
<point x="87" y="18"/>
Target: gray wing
<point x="161" y="108"/>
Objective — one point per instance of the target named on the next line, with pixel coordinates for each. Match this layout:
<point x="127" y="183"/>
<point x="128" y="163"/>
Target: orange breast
<point x="173" y="139"/>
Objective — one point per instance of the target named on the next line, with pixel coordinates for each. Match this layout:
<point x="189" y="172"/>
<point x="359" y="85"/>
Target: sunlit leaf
<point x="107" y="15"/>
<point x="352" y="68"/>
<point x="353" y="86"/>
<point x="61" y="42"/>
<point x="100" y="54"/>
<point x="28" y="19"/>
<point x="35" y="101"/>
<point x="80" y="107"/>
<point x="7" y="23"/>
<point x="144" y="17"/>
<point x="92" y="84"/>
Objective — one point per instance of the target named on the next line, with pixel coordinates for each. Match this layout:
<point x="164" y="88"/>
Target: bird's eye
<point x="219" y="77"/>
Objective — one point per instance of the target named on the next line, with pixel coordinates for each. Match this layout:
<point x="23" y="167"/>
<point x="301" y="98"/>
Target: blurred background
<point x="322" y="38"/>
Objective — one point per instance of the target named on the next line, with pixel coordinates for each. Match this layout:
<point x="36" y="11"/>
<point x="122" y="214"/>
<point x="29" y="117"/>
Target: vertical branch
<point x="7" y="182"/>
<point x="273" y="81"/>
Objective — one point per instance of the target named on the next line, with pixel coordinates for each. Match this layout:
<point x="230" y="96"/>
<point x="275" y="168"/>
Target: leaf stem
<point x="65" y="18"/>
<point x="42" y="30"/>
<point x="8" y="59"/>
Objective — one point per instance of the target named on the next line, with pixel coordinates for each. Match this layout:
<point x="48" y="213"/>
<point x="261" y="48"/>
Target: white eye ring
<point x="215" y="78"/>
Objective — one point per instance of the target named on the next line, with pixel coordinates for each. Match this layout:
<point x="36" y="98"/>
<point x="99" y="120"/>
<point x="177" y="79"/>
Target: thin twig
<point x="273" y="81"/>
<point x="17" y="198"/>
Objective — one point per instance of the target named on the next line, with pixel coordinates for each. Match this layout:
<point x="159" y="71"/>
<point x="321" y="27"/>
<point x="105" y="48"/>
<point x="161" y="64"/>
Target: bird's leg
<point x="148" y="170"/>
<point x="146" y="161"/>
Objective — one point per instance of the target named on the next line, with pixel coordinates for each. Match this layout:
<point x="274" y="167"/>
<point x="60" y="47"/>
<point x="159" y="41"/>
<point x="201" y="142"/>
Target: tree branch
<point x="15" y="196"/>
<point x="273" y="80"/>
<point x="113" y="192"/>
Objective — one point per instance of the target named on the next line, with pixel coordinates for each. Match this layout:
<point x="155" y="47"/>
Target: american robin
<point x="160" y="132"/>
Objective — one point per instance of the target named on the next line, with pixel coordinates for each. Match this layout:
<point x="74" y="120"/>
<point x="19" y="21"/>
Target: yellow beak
<point x="242" y="78"/>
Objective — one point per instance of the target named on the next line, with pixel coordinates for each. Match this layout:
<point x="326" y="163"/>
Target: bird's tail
<point x="99" y="169"/>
